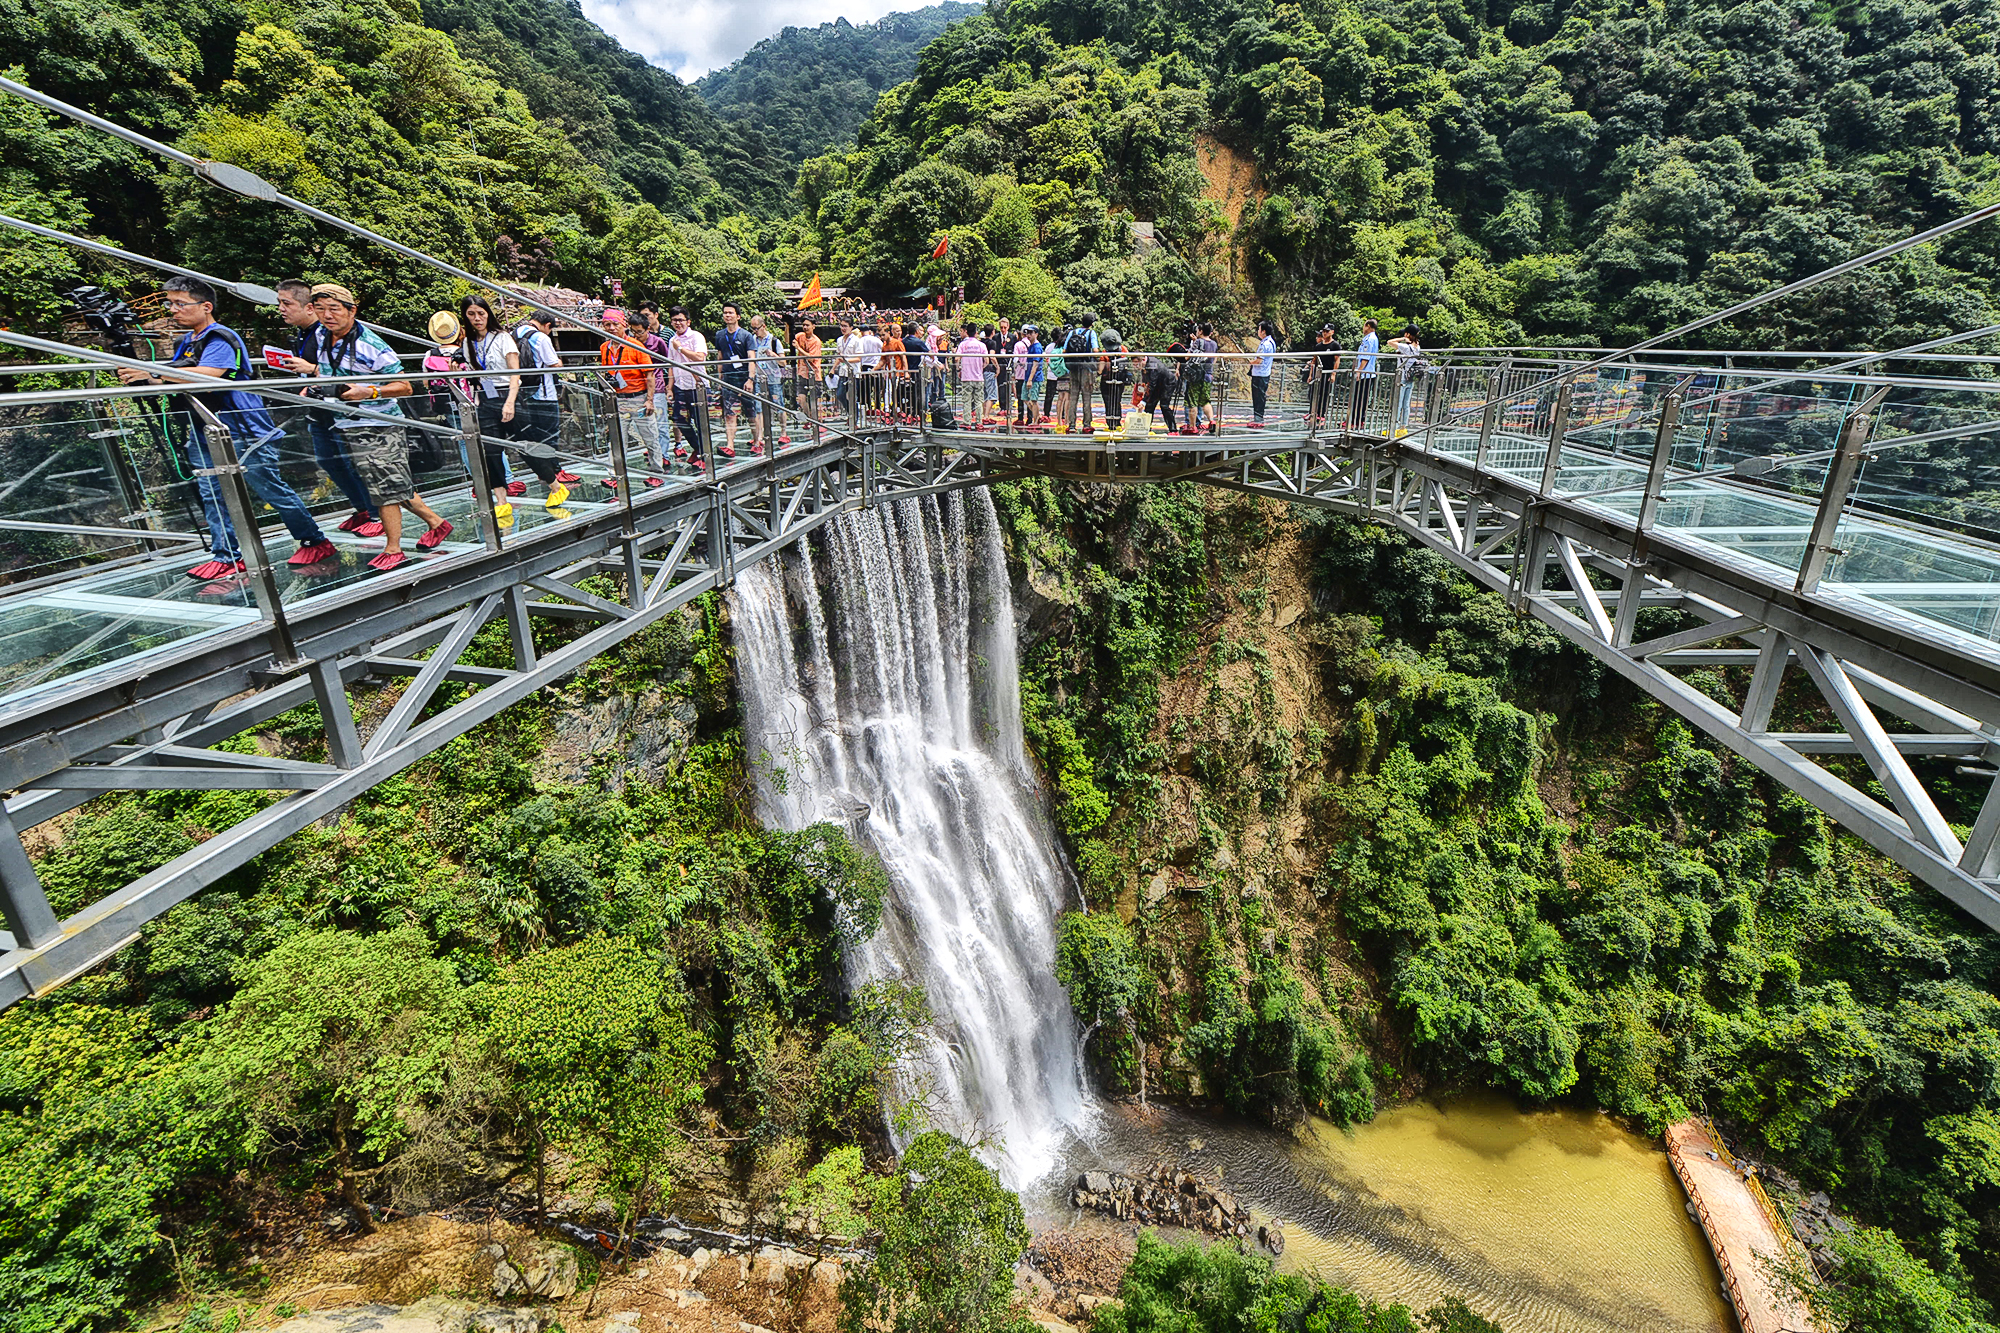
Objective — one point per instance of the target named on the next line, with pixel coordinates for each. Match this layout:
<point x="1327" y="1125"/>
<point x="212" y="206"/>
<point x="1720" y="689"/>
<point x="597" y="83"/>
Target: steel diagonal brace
<point x="1579" y="579"/>
<point x="1696" y="637"/>
<point x="751" y="520"/>
<point x="580" y="597"/>
<point x="665" y="578"/>
<point x="1927" y="825"/>
<point x="433" y="675"/>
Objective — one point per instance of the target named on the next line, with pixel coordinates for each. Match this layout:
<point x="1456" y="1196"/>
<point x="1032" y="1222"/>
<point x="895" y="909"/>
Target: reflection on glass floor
<point x="1927" y="579"/>
<point x="54" y="633"/>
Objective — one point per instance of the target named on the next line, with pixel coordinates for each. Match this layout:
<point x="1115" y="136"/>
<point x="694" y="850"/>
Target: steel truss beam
<point x="146" y="727"/>
<point x="1581" y="570"/>
<point x="1586" y="572"/>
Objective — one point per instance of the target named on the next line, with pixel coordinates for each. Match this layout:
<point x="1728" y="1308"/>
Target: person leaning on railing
<point x="1365" y="356"/>
<point x="1199" y="376"/>
<point x="215" y="351"/>
<point x="1260" y="370"/>
<point x="487" y="346"/>
<point x="732" y="353"/>
<point x="806" y="342"/>
<point x="380" y="449"/>
<point x="767" y="364"/>
<point x="1410" y="366"/>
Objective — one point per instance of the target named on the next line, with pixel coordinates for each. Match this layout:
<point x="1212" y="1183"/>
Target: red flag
<point x="811" y="296"/>
<point x="944" y="243"/>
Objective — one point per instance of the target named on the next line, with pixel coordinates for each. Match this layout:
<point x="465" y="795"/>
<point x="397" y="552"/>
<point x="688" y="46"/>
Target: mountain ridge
<point x="781" y="86"/>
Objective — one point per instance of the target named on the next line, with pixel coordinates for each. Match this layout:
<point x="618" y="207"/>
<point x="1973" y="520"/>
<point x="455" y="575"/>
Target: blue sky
<point x="693" y="38"/>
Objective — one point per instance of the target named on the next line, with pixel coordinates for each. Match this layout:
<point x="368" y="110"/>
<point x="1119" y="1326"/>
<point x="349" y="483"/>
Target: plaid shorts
<point x="381" y="457"/>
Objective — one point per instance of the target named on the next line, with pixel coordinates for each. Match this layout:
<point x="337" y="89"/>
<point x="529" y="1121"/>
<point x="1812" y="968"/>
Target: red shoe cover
<point x="313" y="552"/>
<point x="430" y="539"/>
<point x="389" y="560"/>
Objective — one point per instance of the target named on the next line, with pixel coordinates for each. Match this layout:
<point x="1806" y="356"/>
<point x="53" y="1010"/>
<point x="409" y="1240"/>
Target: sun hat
<point x="444" y="327"/>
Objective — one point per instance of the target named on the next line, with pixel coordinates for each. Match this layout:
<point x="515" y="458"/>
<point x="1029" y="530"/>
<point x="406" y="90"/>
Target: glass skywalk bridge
<point x="1837" y="514"/>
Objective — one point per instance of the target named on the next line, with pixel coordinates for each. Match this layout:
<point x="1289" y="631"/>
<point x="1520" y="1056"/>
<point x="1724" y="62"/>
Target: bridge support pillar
<point x="22" y="901"/>
<point x="520" y="629"/>
<point x="343" y="740"/>
<point x="1981" y="858"/>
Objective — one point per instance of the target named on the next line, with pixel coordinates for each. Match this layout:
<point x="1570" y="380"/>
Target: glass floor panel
<point x="1917" y="577"/>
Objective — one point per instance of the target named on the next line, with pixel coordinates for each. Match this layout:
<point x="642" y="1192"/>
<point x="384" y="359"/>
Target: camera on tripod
<point x="106" y="316"/>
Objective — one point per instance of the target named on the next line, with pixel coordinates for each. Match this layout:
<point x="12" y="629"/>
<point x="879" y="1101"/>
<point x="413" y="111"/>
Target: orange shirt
<point x="618" y="354"/>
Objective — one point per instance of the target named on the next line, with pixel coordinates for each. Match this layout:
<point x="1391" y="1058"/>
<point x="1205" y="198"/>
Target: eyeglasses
<point x="184" y="305"/>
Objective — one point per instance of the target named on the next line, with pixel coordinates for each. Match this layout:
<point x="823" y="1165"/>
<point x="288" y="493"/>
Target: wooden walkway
<point x="1741" y="1230"/>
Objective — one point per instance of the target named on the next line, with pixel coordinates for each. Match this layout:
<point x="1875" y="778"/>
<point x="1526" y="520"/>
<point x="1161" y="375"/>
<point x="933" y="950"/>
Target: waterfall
<point x="879" y="690"/>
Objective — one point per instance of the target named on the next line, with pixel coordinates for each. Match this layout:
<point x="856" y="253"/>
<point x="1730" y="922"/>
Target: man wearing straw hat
<point x="379" y="449"/>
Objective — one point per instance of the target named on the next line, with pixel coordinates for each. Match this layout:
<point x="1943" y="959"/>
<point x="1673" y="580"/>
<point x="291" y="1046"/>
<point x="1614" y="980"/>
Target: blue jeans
<point x="260" y="470"/>
<point x="1403" y="401"/>
<point x="332" y="460"/>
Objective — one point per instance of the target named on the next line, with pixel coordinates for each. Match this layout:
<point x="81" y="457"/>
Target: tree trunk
<point x="343" y="1155"/>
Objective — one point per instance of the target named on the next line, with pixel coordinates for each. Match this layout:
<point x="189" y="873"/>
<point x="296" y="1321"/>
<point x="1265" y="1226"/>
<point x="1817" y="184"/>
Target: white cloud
<point x="692" y="39"/>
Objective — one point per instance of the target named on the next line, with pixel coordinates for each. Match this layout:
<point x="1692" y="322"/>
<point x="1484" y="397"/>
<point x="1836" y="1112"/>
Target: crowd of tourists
<point x="667" y="382"/>
<point x="909" y="367"/>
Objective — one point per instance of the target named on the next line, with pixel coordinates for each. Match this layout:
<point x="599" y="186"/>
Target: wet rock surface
<point x="1165" y="1196"/>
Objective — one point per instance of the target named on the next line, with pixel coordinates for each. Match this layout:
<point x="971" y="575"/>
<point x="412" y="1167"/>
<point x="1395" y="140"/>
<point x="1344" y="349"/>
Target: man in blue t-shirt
<point x="732" y="347"/>
<point x="214" y="351"/>
<point x="1260" y="370"/>
<point x="1364" y="374"/>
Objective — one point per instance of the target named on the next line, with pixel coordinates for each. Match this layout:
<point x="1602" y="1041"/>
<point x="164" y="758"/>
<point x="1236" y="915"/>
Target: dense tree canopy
<point x="808" y="89"/>
<point x="1569" y="171"/>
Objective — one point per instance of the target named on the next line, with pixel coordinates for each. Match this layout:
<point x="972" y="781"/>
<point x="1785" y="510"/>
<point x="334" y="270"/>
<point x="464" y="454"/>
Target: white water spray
<point x="880" y="693"/>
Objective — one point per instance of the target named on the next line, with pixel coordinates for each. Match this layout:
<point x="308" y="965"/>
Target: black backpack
<point x="1078" y="344"/>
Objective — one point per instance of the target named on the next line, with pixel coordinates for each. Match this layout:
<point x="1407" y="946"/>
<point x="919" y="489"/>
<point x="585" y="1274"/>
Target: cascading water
<point x="879" y="687"/>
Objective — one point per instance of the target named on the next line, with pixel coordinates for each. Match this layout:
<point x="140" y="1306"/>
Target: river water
<point x="878" y="672"/>
<point x="1548" y="1221"/>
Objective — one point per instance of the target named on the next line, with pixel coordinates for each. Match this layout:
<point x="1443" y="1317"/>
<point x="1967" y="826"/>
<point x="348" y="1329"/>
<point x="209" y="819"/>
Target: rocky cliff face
<point x="1214" y="845"/>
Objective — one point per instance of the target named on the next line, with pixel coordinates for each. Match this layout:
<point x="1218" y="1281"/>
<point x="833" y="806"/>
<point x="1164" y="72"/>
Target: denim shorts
<point x="731" y="396"/>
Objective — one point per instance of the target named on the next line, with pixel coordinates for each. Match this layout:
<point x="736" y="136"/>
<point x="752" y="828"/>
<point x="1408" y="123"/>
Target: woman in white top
<point x="487" y="346"/>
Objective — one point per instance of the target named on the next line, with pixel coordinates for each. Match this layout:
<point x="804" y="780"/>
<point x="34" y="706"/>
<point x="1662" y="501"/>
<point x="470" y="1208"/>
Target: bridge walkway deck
<point x="1746" y="1239"/>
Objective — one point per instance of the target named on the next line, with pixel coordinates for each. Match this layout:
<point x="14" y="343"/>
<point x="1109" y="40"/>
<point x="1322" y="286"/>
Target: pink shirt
<point x="971" y="359"/>
<point x="1021" y="358"/>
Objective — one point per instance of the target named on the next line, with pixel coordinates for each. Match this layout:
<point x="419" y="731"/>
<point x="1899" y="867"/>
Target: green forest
<point x="1519" y="874"/>
<point x="808" y="89"/>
